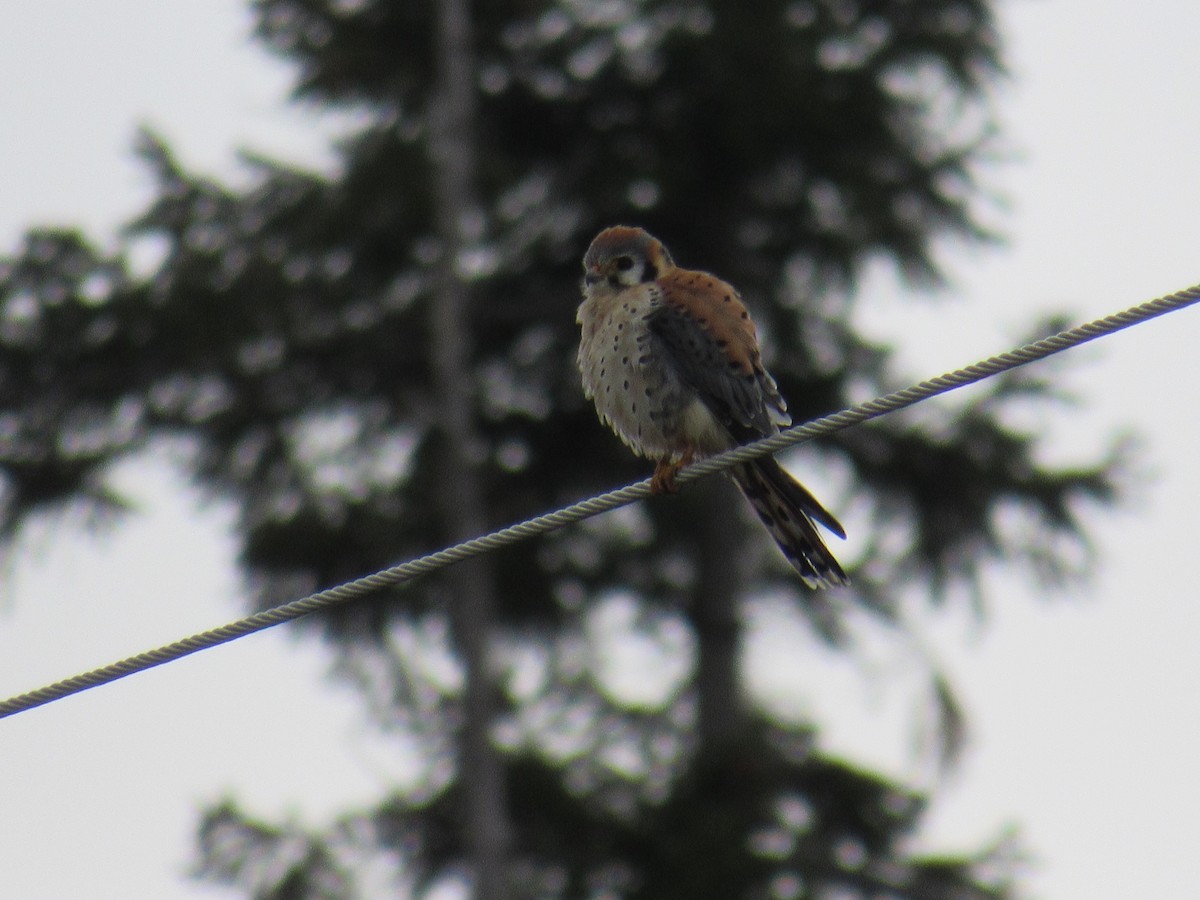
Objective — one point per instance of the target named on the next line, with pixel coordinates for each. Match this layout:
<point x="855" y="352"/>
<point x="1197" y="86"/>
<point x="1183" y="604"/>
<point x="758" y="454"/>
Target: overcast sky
<point x="1085" y="721"/>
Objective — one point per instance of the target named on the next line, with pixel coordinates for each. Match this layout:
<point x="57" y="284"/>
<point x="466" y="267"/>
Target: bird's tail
<point x="790" y="513"/>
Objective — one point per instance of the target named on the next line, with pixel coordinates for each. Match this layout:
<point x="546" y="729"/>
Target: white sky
<point x="1085" y="727"/>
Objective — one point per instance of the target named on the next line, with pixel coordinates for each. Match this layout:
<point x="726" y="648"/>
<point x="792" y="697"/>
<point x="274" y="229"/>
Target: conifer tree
<point x="375" y="362"/>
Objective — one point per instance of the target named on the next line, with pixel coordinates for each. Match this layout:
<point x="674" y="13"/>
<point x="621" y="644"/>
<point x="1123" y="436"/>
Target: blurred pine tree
<point x="375" y="362"/>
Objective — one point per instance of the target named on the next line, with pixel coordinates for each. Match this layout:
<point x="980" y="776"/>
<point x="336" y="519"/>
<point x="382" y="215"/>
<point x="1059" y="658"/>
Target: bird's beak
<point x="592" y="275"/>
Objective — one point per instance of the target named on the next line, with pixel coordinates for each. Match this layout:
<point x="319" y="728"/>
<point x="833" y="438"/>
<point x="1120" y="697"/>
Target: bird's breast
<point x="631" y="379"/>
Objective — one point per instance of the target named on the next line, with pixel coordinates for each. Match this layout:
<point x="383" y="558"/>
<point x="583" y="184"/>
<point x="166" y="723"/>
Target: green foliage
<point x="771" y="819"/>
<point x="282" y="342"/>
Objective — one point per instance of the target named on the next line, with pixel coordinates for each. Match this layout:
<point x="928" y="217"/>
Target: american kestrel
<point x="670" y="357"/>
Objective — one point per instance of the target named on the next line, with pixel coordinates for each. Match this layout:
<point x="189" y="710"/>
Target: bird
<point x="670" y="358"/>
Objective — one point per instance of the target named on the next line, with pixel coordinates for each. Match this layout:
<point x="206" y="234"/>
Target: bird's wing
<point x="710" y="338"/>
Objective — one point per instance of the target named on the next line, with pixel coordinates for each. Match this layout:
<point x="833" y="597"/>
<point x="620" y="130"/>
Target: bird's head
<point x="623" y="257"/>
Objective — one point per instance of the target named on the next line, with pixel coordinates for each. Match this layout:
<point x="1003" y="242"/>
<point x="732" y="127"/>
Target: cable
<point x="409" y="571"/>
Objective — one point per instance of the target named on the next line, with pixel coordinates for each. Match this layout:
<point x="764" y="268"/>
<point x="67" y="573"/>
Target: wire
<point x="410" y="571"/>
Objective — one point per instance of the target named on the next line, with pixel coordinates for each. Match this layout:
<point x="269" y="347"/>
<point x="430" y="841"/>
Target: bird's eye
<point x="623" y="263"/>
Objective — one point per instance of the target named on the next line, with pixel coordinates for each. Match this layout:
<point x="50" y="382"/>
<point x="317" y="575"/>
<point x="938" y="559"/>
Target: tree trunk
<point x="716" y="619"/>
<point x="472" y="584"/>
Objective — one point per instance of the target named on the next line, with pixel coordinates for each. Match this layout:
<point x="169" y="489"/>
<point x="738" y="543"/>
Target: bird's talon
<point x="663" y="480"/>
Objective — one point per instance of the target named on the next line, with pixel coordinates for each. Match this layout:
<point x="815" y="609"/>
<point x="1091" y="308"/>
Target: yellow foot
<point x="663" y="480"/>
